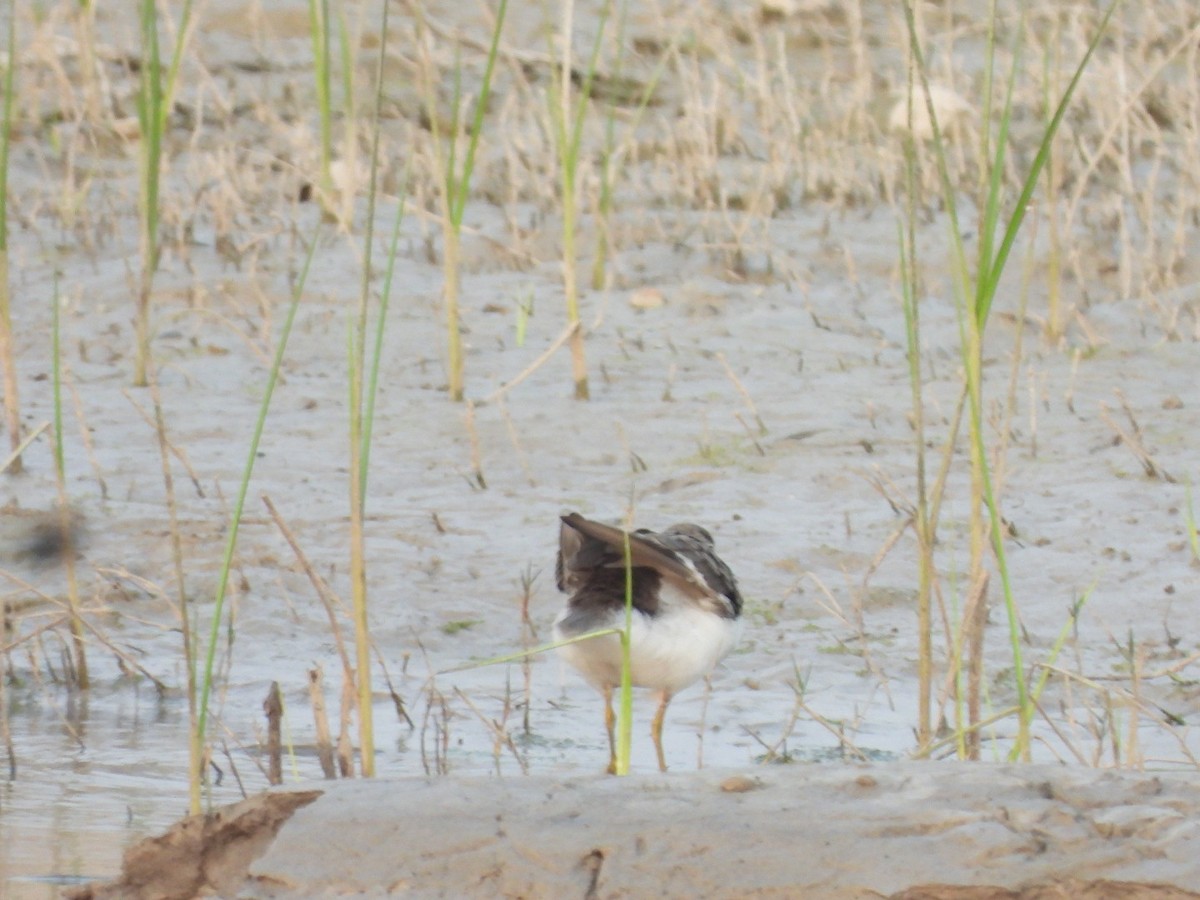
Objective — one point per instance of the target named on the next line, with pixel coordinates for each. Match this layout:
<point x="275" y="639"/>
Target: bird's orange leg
<point x="610" y="722"/>
<point x="656" y="728"/>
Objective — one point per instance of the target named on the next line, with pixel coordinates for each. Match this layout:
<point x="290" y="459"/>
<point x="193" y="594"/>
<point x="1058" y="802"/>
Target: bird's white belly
<point x="668" y="652"/>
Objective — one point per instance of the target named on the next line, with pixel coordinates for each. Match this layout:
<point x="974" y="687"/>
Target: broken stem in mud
<point x="324" y="741"/>
<point x="328" y="600"/>
<point x="975" y="614"/>
<point x="529" y="637"/>
<point x="273" y="708"/>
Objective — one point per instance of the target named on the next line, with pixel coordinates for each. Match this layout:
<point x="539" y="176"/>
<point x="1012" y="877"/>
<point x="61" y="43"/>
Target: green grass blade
<point x="240" y="502"/>
<point x="318" y="19"/>
<point x="385" y="298"/>
<point x="372" y="391"/>
<point x="1039" y="162"/>
<point x="994" y="165"/>
<point x="585" y="90"/>
<point x="185" y="21"/>
<point x="460" y="197"/>
<point x="532" y="651"/>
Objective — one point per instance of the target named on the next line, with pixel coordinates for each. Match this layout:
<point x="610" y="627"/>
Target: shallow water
<point x="813" y="335"/>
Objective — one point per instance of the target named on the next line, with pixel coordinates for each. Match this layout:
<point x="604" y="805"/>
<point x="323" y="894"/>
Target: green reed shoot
<point x="150" y="116"/>
<point x="922" y="522"/>
<point x="362" y="416"/>
<point x="975" y="293"/>
<point x="318" y="16"/>
<point x="568" y="141"/>
<point x="81" y="667"/>
<point x="153" y="107"/>
<point x="210" y="655"/>
<point x="12" y="405"/>
<point x="336" y="206"/>
<point x="455" y="184"/>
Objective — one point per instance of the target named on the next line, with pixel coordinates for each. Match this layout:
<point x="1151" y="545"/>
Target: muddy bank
<point x="829" y="831"/>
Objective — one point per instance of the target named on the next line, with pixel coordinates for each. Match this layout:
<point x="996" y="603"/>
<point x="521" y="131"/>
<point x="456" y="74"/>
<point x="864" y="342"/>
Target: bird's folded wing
<point x="642" y="552"/>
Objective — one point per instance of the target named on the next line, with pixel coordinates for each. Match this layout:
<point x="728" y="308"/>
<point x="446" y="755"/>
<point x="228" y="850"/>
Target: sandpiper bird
<point x="686" y="610"/>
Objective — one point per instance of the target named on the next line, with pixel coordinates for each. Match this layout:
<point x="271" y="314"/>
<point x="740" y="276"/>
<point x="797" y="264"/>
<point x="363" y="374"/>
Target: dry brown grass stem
<point x="35" y="633"/>
<point x="476" y="448"/>
<point x="437" y="718"/>
<point x="514" y="438"/>
<point x="1134" y="702"/>
<point x="975" y="614"/>
<point x="529" y="638"/>
<point x="85" y="438"/>
<point x="358" y="581"/>
<point x="5" y="728"/>
<point x="1130" y="99"/>
<point x="1060" y="734"/>
<point x="273" y="708"/>
<point x="345" y="747"/>
<point x="324" y="740"/>
<point x="169" y="447"/>
<point x="195" y="739"/>
<point x="96" y="633"/>
<point x="952" y="739"/>
<point x="1132" y="438"/>
<point x="22" y="446"/>
<point x="77" y="624"/>
<point x="330" y="601"/>
<point x="829" y="603"/>
<point x="501" y="738"/>
<point x="741" y="389"/>
<point x="839" y="732"/>
<point x="564" y="336"/>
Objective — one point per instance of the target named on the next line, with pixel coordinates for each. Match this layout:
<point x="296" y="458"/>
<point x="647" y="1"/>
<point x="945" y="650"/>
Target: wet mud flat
<point x="828" y="832"/>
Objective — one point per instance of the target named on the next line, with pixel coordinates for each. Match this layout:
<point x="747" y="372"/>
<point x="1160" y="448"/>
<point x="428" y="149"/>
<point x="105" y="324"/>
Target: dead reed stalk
<point x="273" y="708"/>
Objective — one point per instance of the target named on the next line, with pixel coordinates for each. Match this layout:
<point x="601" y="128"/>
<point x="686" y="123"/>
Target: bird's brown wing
<point x="691" y="565"/>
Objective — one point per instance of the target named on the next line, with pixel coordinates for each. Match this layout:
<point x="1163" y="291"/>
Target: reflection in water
<point x="94" y="771"/>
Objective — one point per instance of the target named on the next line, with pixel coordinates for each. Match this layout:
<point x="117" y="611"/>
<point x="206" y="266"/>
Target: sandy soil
<point x="724" y="311"/>
<point x="822" y="832"/>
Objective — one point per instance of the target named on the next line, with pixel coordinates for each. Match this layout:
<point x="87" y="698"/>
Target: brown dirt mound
<point x="200" y="854"/>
